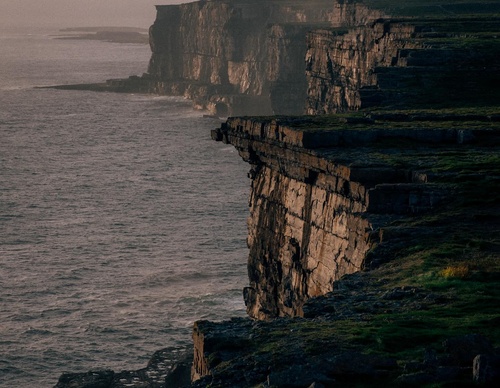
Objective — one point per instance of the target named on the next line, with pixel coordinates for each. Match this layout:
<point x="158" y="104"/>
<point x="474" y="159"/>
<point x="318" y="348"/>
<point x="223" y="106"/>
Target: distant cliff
<point x="232" y="57"/>
<point x="401" y="63"/>
<point x="237" y="57"/>
<point x="287" y="57"/>
<point x="241" y="57"/>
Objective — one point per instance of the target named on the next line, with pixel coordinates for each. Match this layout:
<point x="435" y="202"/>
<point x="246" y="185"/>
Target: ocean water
<point x="121" y="222"/>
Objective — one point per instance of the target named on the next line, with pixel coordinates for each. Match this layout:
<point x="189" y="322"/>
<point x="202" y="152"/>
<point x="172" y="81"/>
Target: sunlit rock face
<point x="306" y="226"/>
<point x="325" y="190"/>
<point x="309" y="221"/>
<point x="304" y="234"/>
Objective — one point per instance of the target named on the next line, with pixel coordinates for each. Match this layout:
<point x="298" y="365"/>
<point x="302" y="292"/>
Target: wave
<point x="32" y="331"/>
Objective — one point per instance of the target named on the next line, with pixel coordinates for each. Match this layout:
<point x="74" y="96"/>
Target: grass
<point x="461" y="271"/>
<point x="419" y="8"/>
<point x="451" y="258"/>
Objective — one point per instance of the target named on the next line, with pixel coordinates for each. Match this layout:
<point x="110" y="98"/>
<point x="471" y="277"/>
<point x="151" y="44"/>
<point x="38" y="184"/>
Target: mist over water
<point x="71" y="13"/>
<point x="121" y="222"/>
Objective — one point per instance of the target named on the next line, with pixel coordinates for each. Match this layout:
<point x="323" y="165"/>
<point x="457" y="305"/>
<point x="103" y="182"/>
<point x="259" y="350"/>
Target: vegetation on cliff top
<point x="440" y="280"/>
<point x="445" y="8"/>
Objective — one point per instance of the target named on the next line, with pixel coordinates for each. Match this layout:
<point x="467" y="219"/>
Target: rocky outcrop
<point x="321" y="190"/>
<point x="234" y="57"/>
<point x="168" y="367"/>
<point x="403" y="63"/>
<point x="237" y="57"/>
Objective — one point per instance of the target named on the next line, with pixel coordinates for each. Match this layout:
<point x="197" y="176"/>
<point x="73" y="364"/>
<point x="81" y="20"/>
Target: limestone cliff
<point x="236" y="57"/>
<point x="320" y="191"/>
<point x="352" y="220"/>
<point x="404" y="63"/>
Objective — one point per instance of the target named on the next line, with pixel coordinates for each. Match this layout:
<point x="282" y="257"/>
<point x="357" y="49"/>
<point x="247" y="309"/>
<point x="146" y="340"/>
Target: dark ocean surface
<point x="121" y="222"/>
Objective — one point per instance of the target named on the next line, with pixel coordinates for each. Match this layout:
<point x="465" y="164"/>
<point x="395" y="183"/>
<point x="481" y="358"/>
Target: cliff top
<point x="433" y="8"/>
<point x="393" y="7"/>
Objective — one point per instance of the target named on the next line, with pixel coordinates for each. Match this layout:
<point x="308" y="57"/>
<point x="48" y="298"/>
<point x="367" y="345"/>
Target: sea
<point x="121" y="221"/>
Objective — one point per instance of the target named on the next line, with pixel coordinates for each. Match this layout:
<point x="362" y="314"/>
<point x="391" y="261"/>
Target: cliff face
<point x="341" y="64"/>
<point x="227" y="56"/>
<point x="317" y="203"/>
<point x="302" y="237"/>
<point x="241" y="57"/>
<point x="403" y="63"/>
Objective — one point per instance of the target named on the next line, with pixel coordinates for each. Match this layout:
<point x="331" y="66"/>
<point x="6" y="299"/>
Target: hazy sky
<point x="68" y="13"/>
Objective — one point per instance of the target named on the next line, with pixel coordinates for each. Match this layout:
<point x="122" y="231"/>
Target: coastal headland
<point x="372" y="131"/>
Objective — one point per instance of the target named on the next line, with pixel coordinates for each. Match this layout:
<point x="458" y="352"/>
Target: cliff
<point x="241" y="57"/>
<point x="372" y="233"/>
<point x="379" y="230"/>
<point x="404" y="63"/>
<point x="325" y="56"/>
<point x="322" y="187"/>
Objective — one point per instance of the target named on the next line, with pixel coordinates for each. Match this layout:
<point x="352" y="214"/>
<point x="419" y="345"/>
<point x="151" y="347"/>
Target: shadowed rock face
<point x="326" y="56"/>
<point x="398" y="63"/>
<point x="241" y="57"/>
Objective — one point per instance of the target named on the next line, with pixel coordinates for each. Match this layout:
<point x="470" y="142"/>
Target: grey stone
<point x="486" y="369"/>
<point x="92" y="379"/>
<point x="462" y="350"/>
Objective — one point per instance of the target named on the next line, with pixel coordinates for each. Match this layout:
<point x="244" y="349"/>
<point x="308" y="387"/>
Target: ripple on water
<point x="121" y="222"/>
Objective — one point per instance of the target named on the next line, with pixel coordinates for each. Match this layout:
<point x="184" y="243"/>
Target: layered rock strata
<point x="326" y="56"/>
<point x="238" y="57"/>
<point x="234" y="57"/>
<point x="321" y="187"/>
<point x="404" y="63"/>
